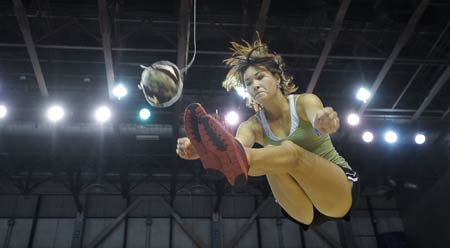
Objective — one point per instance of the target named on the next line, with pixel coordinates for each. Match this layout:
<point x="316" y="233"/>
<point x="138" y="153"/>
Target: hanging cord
<point x="195" y="40"/>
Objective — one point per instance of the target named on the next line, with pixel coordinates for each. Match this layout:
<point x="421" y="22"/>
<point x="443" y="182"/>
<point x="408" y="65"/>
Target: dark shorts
<point x="320" y="218"/>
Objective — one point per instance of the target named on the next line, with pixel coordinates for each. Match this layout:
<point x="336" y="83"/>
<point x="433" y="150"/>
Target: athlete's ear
<point x="277" y="77"/>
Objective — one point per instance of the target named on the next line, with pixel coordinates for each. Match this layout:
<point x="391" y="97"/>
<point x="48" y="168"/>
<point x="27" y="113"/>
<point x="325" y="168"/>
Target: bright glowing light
<point x="232" y="118"/>
<point x="3" y="111"/>
<point x="102" y="114"/>
<point x="363" y="94"/>
<point x="420" y="139"/>
<point x="55" y="113"/>
<point x="390" y="137"/>
<point x="242" y="92"/>
<point x="144" y="114"/>
<point x="367" y="137"/>
<point x="353" y="119"/>
<point x="120" y="91"/>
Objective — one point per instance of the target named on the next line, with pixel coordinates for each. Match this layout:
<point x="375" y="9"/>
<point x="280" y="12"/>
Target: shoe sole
<point x="192" y="114"/>
<point x="226" y="148"/>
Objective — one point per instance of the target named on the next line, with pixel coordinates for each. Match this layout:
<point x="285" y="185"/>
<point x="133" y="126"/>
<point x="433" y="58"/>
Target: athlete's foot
<point x="219" y="141"/>
<point x="192" y="114"/>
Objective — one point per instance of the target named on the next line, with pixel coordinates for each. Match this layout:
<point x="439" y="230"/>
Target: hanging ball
<point x="161" y="84"/>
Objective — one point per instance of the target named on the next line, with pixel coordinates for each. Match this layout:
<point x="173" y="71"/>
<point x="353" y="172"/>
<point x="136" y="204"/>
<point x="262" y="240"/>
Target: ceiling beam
<point x="25" y="28"/>
<point x="404" y="37"/>
<point x="436" y="87"/>
<point x="105" y="30"/>
<point x="412" y="61"/>
<point x="262" y="17"/>
<point x="411" y="80"/>
<point x="331" y="38"/>
<point x="445" y="114"/>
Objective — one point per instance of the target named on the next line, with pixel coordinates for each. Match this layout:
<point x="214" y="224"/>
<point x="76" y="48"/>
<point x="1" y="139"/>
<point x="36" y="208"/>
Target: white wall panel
<point x="201" y="227"/>
<point x="269" y="236"/>
<point x="137" y="233"/>
<point x="142" y="235"/>
<point x="232" y="226"/>
<point x="55" y="233"/>
<point x="94" y="226"/>
<point x="312" y="240"/>
<point x="3" y="230"/>
<point x="291" y="234"/>
<point x="20" y="233"/>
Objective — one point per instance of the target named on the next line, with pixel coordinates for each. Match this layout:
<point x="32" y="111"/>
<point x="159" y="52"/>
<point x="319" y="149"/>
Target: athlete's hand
<point x="186" y="150"/>
<point x="326" y="121"/>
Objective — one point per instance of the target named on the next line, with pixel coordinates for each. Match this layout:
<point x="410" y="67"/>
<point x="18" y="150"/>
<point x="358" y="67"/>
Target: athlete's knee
<point x="337" y="209"/>
<point x="293" y="152"/>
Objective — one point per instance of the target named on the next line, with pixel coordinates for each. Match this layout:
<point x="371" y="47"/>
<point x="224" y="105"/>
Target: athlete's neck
<point x="278" y="108"/>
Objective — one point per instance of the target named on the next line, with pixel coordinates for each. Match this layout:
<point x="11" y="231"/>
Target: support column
<point x="11" y="223"/>
<point x="216" y="230"/>
<point x="78" y="225"/>
<point x="34" y="223"/>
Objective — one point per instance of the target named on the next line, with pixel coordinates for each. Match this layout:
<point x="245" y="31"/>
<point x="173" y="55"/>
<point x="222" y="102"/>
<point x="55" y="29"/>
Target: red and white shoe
<point x="220" y="142"/>
<point x="192" y="114"/>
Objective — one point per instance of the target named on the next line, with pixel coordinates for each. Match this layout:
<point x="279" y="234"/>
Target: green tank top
<point x="302" y="134"/>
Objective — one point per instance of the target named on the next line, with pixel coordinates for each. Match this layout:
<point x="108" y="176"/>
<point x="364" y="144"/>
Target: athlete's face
<point x="261" y="84"/>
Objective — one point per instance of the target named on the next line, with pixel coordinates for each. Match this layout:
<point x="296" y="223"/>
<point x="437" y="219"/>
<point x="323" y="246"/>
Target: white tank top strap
<point x="294" y="119"/>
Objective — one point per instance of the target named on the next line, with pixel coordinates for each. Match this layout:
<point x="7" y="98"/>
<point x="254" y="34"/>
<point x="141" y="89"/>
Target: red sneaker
<point x="219" y="141"/>
<point x="192" y="115"/>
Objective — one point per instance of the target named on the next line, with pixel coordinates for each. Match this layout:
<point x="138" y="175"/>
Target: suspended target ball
<point x="161" y="84"/>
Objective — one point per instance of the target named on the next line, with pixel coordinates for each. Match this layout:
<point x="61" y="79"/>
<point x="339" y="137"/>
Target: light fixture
<point x="363" y="94"/>
<point x="420" y="139"/>
<point x="55" y="113"/>
<point x="102" y="114"/>
<point x="144" y="114"/>
<point x="367" y="137"/>
<point x="232" y="118"/>
<point x="3" y="111"/>
<point x="353" y="119"/>
<point x="390" y="137"/>
<point x="120" y="91"/>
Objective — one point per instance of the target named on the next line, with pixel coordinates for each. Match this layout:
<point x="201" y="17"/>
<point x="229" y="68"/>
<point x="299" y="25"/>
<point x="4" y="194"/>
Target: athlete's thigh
<point x="291" y="197"/>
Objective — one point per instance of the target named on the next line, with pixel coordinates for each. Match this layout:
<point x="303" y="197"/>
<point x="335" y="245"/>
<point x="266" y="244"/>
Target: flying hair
<point x="245" y="55"/>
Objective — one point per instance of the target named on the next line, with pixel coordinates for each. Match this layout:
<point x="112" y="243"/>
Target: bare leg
<point x="291" y="197"/>
<point x="324" y="183"/>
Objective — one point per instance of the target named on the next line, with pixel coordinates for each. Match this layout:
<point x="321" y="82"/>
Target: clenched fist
<point x="326" y="121"/>
<point x="186" y="150"/>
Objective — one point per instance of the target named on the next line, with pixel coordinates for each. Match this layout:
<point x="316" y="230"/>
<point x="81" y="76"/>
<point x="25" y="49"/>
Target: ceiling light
<point x="144" y="114"/>
<point x="363" y="94"/>
<point x="55" y="113"/>
<point x="420" y="139"/>
<point x="232" y="118"/>
<point x="367" y="137"/>
<point x="390" y="137"/>
<point x="353" y="119"/>
<point x="102" y="114"/>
